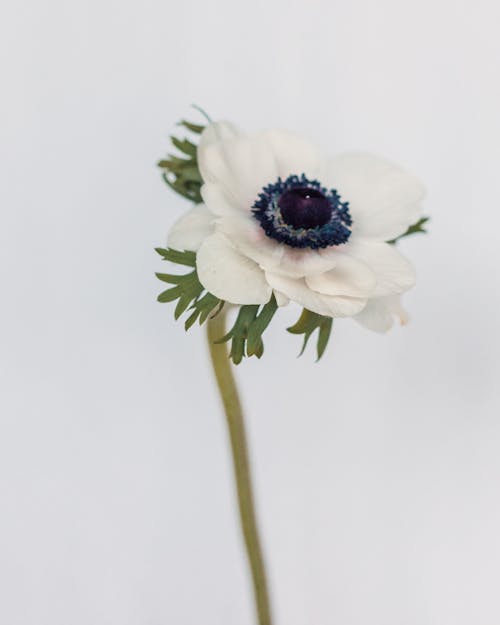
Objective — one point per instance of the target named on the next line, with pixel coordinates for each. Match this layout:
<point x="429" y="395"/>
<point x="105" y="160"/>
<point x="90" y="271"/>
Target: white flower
<point x="279" y="217"/>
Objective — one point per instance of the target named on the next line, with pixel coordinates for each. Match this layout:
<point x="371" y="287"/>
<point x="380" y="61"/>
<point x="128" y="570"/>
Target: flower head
<point x="280" y="221"/>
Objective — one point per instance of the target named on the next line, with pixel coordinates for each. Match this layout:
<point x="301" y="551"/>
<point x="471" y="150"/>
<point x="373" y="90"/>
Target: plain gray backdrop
<point x="377" y="470"/>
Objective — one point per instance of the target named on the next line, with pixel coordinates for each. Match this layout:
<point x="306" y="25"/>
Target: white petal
<point x="241" y="165"/>
<point x="299" y="263"/>
<point x="246" y="234"/>
<point x="295" y="155"/>
<point x="378" y="315"/>
<point x="228" y="275"/>
<point x="281" y="299"/>
<point x="217" y="201"/>
<point x="349" y="277"/>
<point x="219" y="131"/>
<point x="375" y="316"/>
<point x="298" y="291"/>
<point x="189" y="232"/>
<point x="393" y="302"/>
<point x="393" y="271"/>
<point x="383" y="199"/>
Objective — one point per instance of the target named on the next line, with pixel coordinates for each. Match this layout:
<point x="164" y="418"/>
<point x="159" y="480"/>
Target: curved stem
<point x="237" y="436"/>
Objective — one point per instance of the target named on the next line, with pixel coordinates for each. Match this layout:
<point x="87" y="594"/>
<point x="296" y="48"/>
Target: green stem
<point x="234" y="417"/>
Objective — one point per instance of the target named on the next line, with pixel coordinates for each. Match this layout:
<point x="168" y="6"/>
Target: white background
<point x="378" y="469"/>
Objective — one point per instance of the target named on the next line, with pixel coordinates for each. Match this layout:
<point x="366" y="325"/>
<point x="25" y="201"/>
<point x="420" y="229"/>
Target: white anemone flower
<point x="280" y="217"/>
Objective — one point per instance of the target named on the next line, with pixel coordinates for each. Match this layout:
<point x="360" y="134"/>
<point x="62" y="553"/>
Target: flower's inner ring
<point x="304" y="207"/>
<point x="302" y="213"/>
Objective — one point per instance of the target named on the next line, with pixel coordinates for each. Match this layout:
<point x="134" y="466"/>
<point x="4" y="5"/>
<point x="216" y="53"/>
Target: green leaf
<point x="239" y="332"/>
<point x="414" y="229"/>
<point x="192" y="127"/>
<point x="325" y="329"/>
<point x="176" y="185"/>
<point x="246" y="333"/>
<point x="192" y="174"/>
<point x="202" y="309"/>
<point x="190" y="320"/>
<point x="174" y="163"/>
<point x="182" y="305"/>
<point x="187" y="289"/>
<point x="187" y="188"/>
<point x="169" y="278"/>
<point x="258" y="326"/>
<point x="237" y="350"/>
<point x="251" y="321"/>
<point x="175" y="256"/>
<point x="181" y="173"/>
<point x="184" y="146"/>
<point x="307" y="323"/>
<point x="169" y="295"/>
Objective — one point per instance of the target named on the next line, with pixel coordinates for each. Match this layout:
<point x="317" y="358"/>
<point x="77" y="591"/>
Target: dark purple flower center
<point x="302" y="213"/>
<point x="304" y="207"/>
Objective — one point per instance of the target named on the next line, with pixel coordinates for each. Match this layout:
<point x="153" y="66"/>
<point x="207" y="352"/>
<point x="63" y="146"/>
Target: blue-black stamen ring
<point x="332" y="231"/>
